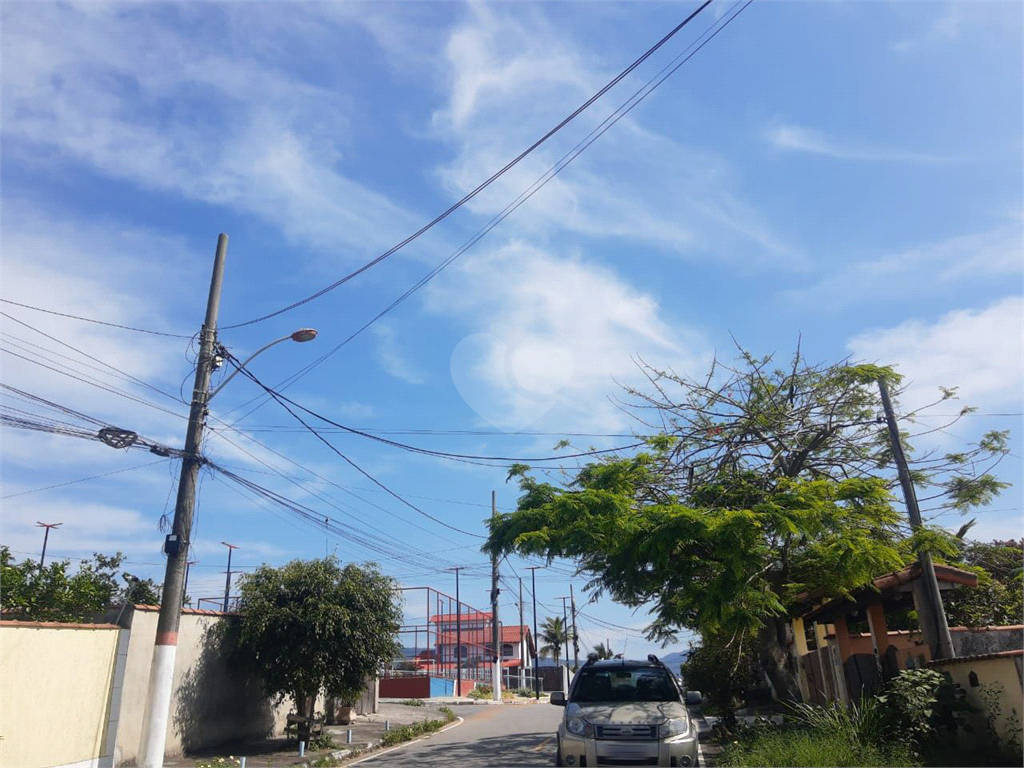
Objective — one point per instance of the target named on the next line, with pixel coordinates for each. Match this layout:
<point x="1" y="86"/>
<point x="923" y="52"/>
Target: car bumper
<point x="576" y="751"/>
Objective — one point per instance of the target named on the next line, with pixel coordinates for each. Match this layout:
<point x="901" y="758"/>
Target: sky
<point x="845" y="173"/>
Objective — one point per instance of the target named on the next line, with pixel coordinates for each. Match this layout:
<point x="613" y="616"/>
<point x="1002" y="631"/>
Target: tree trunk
<point x="775" y="660"/>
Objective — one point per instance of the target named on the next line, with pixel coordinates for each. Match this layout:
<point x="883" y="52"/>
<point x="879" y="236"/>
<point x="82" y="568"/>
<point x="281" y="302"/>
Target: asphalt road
<point x="520" y="735"/>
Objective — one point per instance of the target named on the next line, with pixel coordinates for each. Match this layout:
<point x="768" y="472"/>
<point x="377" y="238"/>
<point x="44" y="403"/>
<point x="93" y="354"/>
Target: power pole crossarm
<point x="161" y="676"/>
<point x="931" y="614"/>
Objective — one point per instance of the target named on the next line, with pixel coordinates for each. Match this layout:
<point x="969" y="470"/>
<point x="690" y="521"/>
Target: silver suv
<point x="622" y="712"/>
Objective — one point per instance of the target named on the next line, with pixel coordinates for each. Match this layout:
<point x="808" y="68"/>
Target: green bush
<point x="923" y="704"/>
<point x="321" y="742"/>
<point x="409" y="732"/>
<point x="481" y="692"/>
<point x="721" y="671"/>
<point x="412" y="702"/>
<point x="865" y="723"/>
<point x="811" y="749"/>
<point x="219" y="762"/>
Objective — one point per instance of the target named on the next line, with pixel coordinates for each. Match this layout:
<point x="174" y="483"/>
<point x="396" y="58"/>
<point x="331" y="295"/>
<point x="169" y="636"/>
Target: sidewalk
<point x="367" y="731"/>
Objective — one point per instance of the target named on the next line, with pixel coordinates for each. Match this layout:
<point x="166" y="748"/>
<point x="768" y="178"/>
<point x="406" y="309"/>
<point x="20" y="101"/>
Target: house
<point x="472" y="643"/>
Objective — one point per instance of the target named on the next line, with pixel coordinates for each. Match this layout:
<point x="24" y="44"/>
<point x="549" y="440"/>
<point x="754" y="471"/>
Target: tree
<point x="762" y="484"/>
<point x="141" y="591"/>
<point x="999" y="597"/>
<point x="721" y="671"/>
<point x="54" y="594"/>
<point x="602" y="651"/>
<point x="313" y="626"/>
<point x="553" y="636"/>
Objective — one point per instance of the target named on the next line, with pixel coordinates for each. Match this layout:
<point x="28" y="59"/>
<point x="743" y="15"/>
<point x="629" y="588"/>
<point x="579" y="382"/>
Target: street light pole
<point x="161" y="676"/>
<point x="46" y="538"/>
<point x="227" y="581"/>
<point x="458" y="635"/>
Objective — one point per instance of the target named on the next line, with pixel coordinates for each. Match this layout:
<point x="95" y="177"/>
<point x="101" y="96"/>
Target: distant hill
<point x="674" y="659"/>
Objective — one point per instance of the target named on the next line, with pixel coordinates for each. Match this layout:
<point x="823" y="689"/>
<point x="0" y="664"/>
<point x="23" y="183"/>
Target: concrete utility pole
<point x="46" y="538"/>
<point x="227" y="580"/>
<point x="931" y="614"/>
<point x="184" y="589"/>
<point x="565" y="628"/>
<point x="458" y="634"/>
<point x="575" y="637"/>
<point x="495" y="629"/>
<point x="522" y="635"/>
<point x="536" y="643"/>
<point x="161" y="676"/>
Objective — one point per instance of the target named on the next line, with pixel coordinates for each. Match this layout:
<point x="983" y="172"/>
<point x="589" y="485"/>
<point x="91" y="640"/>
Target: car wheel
<point x="558" y="756"/>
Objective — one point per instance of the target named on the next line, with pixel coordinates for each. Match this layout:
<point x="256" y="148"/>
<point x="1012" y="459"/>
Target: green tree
<point x="313" y="626"/>
<point x="765" y="483"/>
<point x="999" y="597"/>
<point x="54" y="594"/>
<point x="141" y="591"/>
<point x="553" y="635"/>
<point x="721" y="671"/>
<point x="602" y="651"/>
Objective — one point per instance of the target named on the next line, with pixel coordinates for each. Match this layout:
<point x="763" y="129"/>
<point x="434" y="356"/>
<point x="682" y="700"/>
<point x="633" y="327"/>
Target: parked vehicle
<point x="621" y="712"/>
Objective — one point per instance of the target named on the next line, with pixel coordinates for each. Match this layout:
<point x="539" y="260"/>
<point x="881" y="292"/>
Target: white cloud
<point x="796" y="138"/>
<point x="634" y="183"/>
<point x="943" y="29"/>
<point x="141" y="100"/>
<point x="391" y="357"/>
<point x="552" y="335"/>
<point x="940" y="266"/>
<point x="979" y="351"/>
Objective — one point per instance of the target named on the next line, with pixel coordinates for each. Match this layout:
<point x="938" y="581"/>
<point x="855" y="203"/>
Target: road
<point x="520" y="735"/>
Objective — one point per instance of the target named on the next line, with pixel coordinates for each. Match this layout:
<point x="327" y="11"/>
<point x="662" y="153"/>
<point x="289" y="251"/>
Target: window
<point x="624" y="684"/>
<point x="508" y="650"/>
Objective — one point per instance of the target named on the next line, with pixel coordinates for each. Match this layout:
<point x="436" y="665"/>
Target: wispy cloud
<point x="943" y="29"/>
<point x="391" y="357"/>
<point x="796" y="138"/>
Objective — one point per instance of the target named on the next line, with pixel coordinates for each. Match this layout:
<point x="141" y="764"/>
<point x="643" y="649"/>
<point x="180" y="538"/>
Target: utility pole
<point x="575" y="637"/>
<point x="46" y="538"/>
<point x="227" y="580"/>
<point x="536" y="642"/>
<point x="458" y="634"/>
<point x="161" y="675"/>
<point x="931" y="614"/>
<point x="565" y="628"/>
<point x="495" y="629"/>
<point x="522" y="635"/>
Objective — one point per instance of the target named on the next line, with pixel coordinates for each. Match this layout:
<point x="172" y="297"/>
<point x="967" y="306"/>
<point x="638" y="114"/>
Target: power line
<point x="82" y="479"/>
<point x="97" y="322"/>
<point x="614" y="81"/>
<point x="626" y="107"/>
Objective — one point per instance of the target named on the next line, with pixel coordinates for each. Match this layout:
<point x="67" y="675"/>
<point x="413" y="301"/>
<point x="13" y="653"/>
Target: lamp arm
<point x="245" y="362"/>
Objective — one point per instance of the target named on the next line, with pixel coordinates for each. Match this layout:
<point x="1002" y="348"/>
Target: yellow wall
<point x="997" y="674"/>
<point x="55" y="685"/>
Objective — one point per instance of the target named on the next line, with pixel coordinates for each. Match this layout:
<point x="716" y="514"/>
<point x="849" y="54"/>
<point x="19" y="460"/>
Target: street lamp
<point x="46" y="538"/>
<point x="300" y="336"/>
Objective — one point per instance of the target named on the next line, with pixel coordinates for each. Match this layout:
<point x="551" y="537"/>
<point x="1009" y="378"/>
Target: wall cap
<point x="185" y="611"/>
<point x="980" y="657"/>
<point x="54" y="624"/>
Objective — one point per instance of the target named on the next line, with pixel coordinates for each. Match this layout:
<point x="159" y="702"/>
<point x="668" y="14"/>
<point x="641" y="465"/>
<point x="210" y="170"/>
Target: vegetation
<point x="481" y="692"/>
<point x="219" y="762"/>
<point x="762" y="486"/>
<point x="553" y="635"/>
<point x="55" y="594"/>
<point x="313" y="626"/>
<point x="603" y="652"/>
<point x="321" y="742"/>
<point x="409" y="732"/>
<point x="810" y="749"/>
<point x="999" y="597"/>
<point x="721" y="671"/>
<point x="412" y="702"/>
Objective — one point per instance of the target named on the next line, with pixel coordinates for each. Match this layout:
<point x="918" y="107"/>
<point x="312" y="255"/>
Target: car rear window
<point x="623" y="684"/>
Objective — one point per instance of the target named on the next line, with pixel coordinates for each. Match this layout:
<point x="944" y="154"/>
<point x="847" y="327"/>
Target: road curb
<point x="459" y="721"/>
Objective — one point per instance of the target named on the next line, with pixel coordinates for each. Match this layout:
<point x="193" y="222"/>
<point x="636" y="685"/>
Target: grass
<point x="412" y="702"/>
<point x="410" y="732"/>
<point x="811" y="749"/>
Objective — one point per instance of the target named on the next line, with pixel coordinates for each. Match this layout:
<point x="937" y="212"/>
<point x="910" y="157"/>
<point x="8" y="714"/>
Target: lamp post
<point x="161" y="674"/>
<point x="46" y="538"/>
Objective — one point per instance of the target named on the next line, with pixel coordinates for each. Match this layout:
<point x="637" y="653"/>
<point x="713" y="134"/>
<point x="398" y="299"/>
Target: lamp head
<point x="304" y="334"/>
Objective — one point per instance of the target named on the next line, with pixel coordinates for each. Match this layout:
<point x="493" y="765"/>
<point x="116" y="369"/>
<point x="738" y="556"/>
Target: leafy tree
<point x="999" y="597"/>
<point x="313" y="626"/>
<point x="602" y="651"/>
<point x="54" y="594"/>
<point x="553" y="634"/>
<point x="721" y="671"/>
<point x="141" y="591"/>
<point x="762" y="485"/>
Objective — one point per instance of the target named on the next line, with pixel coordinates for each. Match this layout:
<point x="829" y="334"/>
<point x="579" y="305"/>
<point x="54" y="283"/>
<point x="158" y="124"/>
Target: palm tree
<point x="553" y="635"/>
<point x="602" y="651"/>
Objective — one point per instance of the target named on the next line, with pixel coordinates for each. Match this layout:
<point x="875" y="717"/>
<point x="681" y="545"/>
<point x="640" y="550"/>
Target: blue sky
<point x="849" y="172"/>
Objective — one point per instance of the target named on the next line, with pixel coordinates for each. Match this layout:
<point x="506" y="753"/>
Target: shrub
<point x="409" y="732"/>
<point x="924" y="703"/>
<point x="219" y="762"/>
<point x="321" y="742"/>
<point x="721" y="671"/>
<point x="864" y="723"/>
<point x="481" y="692"/>
<point x="412" y="702"/>
<point x="810" y="748"/>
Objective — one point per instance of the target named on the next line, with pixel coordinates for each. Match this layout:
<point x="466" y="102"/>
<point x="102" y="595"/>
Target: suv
<point x="622" y="712"/>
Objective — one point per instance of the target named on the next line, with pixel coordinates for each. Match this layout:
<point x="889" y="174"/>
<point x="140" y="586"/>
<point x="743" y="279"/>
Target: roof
<point x="890" y="586"/>
<point x="514" y="634"/>
<point x="454" y="617"/>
